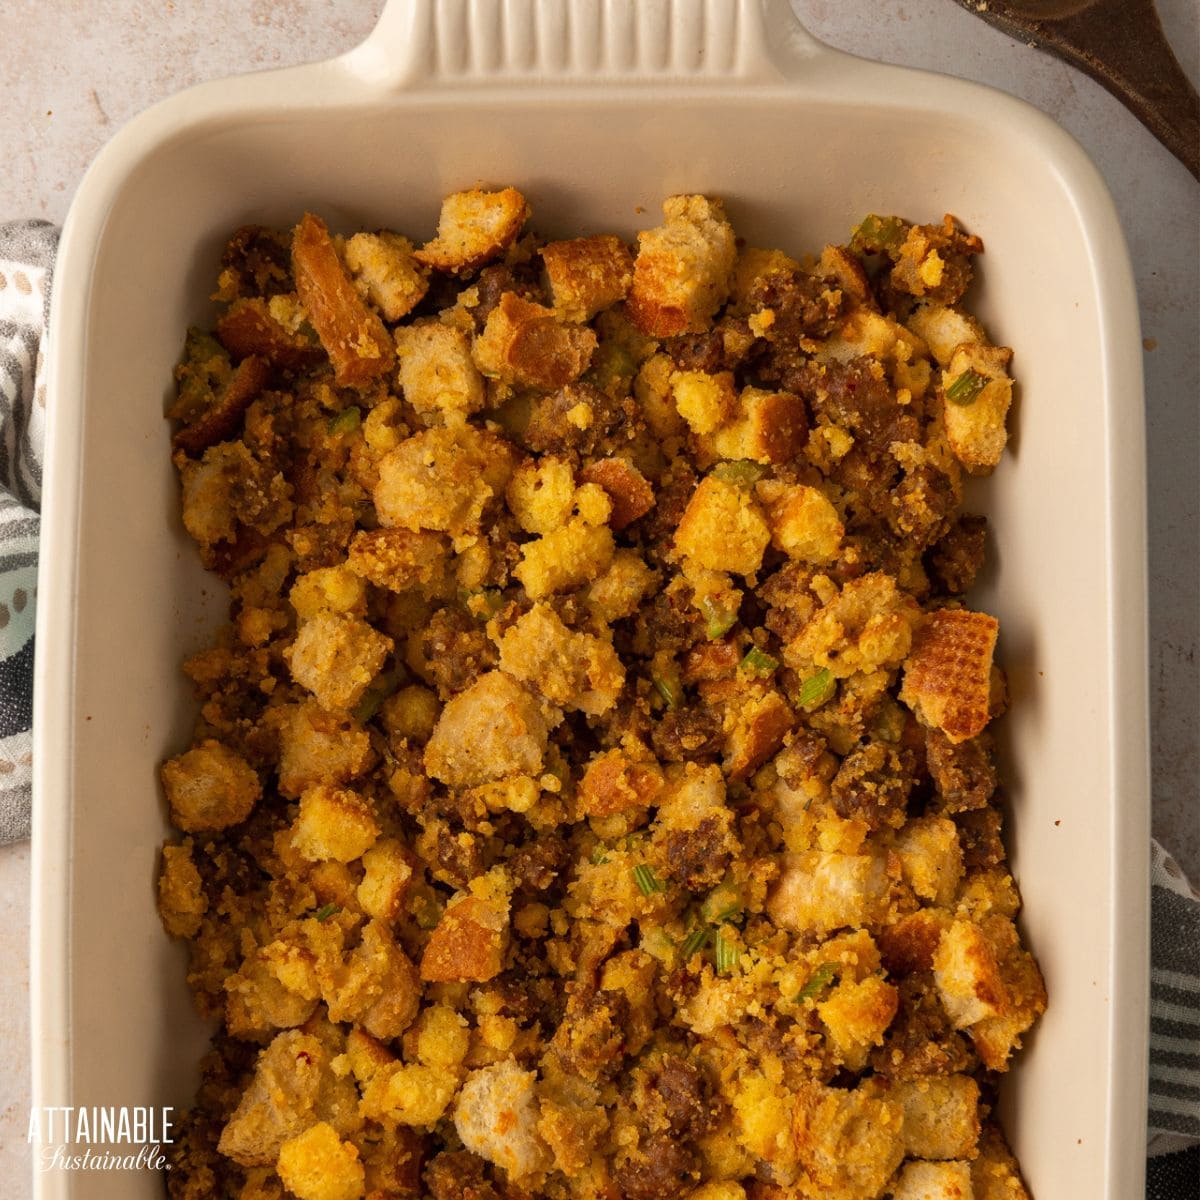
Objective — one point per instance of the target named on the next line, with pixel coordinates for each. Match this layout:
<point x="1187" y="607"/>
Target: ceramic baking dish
<point x="597" y="110"/>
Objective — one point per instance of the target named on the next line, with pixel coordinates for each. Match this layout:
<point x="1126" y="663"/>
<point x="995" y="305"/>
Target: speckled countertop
<point x="74" y="70"/>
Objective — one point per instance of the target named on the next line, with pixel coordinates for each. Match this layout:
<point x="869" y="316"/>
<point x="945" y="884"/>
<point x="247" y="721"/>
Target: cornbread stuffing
<point x="592" y="795"/>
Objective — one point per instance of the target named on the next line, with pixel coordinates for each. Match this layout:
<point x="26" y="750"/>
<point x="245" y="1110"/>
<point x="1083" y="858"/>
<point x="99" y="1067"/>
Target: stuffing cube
<point x="525" y="345"/>
<point x="820" y="891"/>
<point x="941" y="1115"/>
<point x="931" y="858"/>
<point x="765" y="427"/>
<point x="356" y="340"/>
<point x="181" y="899"/>
<point x="614" y="782"/>
<point x="755" y="726"/>
<point x="723" y="528"/>
<point x="652" y="388"/>
<point x="399" y="560"/>
<point x="682" y="272"/>
<point x="968" y="976"/>
<point x="994" y="1173"/>
<point x="704" y="401"/>
<point x="585" y="275"/>
<point x="948" y="674"/>
<point x="856" y="1016"/>
<point x="386" y="273"/>
<point x="437" y="373"/>
<point x="944" y="329"/>
<point x="754" y="265"/>
<point x="333" y="823"/>
<point x="318" y="1165"/>
<point x="441" y="479"/>
<point x="934" y="1181"/>
<point x="618" y="589"/>
<point x="631" y="497"/>
<point x="387" y="874"/>
<point x="408" y="1094"/>
<point x="316" y="746"/>
<point x="336" y="657"/>
<point x="496" y="1116"/>
<point x="541" y="493"/>
<point x="469" y="942"/>
<point x="473" y="227"/>
<point x="996" y="1037"/>
<point x="804" y="523"/>
<point x="493" y="729"/>
<point x="336" y="589"/>
<point x="977" y="391"/>
<point x="848" y="1143"/>
<point x="565" y="558"/>
<point x="571" y="669"/>
<point x="210" y="787"/>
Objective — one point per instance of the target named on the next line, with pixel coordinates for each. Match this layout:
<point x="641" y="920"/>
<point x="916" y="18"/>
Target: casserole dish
<point x="596" y="110"/>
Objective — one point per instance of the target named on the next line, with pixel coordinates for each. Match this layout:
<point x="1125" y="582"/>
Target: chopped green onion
<point x="719" y="620"/>
<point x="821" y="978"/>
<point x="817" y="689"/>
<point x="373" y="698"/>
<point x="326" y="911"/>
<point x="693" y="943"/>
<point x="966" y="387"/>
<point x="758" y="662"/>
<point x="599" y="856"/>
<point x="347" y="421"/>
<point x="742" y="471"/>
<point x="647" y="881"/>
<point x="725" y="953"/>
<point x="668" y="689"/>
<point x="873" y="234"/>
<point x="721" y="904"/>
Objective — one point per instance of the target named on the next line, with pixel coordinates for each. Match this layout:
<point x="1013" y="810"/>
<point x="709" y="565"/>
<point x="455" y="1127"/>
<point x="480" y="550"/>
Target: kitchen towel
<point x="26" y="257"/>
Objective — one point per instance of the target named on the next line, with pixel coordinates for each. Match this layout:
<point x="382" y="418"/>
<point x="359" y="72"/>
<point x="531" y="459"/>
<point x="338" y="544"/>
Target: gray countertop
<point x="75" y="70"/>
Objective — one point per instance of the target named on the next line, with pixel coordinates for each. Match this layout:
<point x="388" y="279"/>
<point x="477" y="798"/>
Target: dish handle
<point x="457" y="43"/>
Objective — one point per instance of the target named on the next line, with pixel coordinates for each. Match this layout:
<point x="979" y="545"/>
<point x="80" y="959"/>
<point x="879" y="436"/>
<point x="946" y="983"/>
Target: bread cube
<point x="336" y="657"/>
<point x="473" y="227"/>
<point x="934" y="1181"/>
<point x="723" y="528"/>
<point x="975" y="429"/>
<point x="469" y="942"/>
<point x="848" y="1143"/>
<point x="496" y="1116"/>
<point x="997" y="1036"/>
<point x="441" y="479"/>
<point x="944" y="329"/>
<point x="585" y="275"/>
<point x="931" y="858"/>
<point x="573" y="670"/>
<point x="493" y="729"/>
<point x="210" y="787"/>
<point x="856" y="1016"/>
<point x="753" y="265"/>
<point x="614" y="782"/>
<point x="333" y="823"/>
<point x="819" y="891"/>
<point x="683" y="269"/>
<point x="941" y="1115"/>
<point x="354" y="337"/>
<point x="316" y="746"/>
<point x="524" y="344"/>
<point x="704" y="401"/>
<point x="764" y="426"/>
<point x="437" y="373"/>
<point x="386" y="273"/>
<point x="652" y="388"/>
<point x="994" y="1173"/>
<point x="630" y="495"/>
<point x="804" y="524"/>
<point x="618" y="590"/>
<point x="541" y="493"/>
<point x="387" y="874"/>
<point x="181" y="899"/>
<point x="755" y="726"/>
<point x="948" y="674"/>
<point x="318" y="1165"/>
<point x="335" y="589"/>
<point x="408" y="1094"/>
<point x="399" y="560"/>
<point x="564" y="558"/>
<point x="967" y="975"/>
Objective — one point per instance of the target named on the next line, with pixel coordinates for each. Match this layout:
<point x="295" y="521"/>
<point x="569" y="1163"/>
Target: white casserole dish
<point x="595" y="109"/>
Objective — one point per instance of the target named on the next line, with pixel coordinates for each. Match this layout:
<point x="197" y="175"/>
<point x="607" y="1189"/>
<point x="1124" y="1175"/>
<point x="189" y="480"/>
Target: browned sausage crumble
<point x="592" y="795"/>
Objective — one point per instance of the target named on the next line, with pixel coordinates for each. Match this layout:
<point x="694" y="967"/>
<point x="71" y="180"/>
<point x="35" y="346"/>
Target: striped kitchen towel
<point x="26" y="257"/>
<point x="1174" y="1113"/>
